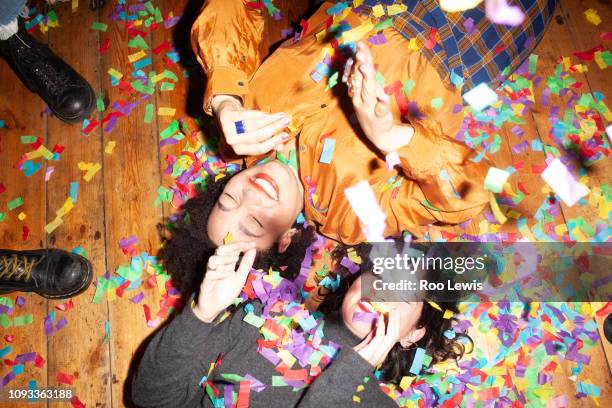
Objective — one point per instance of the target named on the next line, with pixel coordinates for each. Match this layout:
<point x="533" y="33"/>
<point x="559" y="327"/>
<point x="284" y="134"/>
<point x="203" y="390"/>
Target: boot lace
<point x="13" y="267"/>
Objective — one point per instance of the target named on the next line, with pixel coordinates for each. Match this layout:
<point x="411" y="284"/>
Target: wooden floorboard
<point x="100" y="340"/>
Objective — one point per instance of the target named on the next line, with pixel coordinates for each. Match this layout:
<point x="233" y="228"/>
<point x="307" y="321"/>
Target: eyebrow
<point x="240" y="225"/>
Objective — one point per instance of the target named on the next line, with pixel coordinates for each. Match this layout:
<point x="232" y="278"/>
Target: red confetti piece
<point x="64" y="378"/>
<point x="588" y="55"/>
<point x="606" y="310"/>
<point x="431" y="42"/>
<point x="25" y="233"/>
<point x="243" y="394"/>
<point x="162" y="47"/>
<point x="64" y="307"/>
<point x="39" y="361"/>
<point x="9" y="338"/>
<point x="76" y="402"/>
<point x="104" y="46"/>
<point x="2" y="188"/>
<point x="606" y="36"/>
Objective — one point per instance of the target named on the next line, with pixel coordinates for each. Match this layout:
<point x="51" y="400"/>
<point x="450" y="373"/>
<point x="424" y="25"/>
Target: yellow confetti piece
<point x="378" y="11"/>
<point x="46" y="153"/>
<point x="356" y="399"/>
<point x="357" y="33"/>
<point x="219" y="176"/>
<point x="22" y="216"/>
<point x="412" y="44"/>
<point x="497" y="213"/>
<point x="448" y="314"/>
<point x="228" y="238"/>
<point x="166" y="111"/>
<point x="115" y="74"/>
<point x="52" y="226"/>
<point x="357" y="3"/>
<point x="90" y="170"/>
<point x="600" y="61"/>
<point x="360" y="388"/>
<point x="75" y="5"/>
<point x="320" y="36"/>
<point x="66" y="208"/>
<point x="287" y="358"/>
<point x="110" y="146"/>
<point x="405" y="382"/>
<point x="592" y="16"/>
<point x="137" y="56"/>
<point x="396" y="9"/>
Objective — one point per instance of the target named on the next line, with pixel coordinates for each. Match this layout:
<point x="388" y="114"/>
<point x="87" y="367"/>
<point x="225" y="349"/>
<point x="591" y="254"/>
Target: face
<point x="259" y="204"/>
<point x="410" y="312"/>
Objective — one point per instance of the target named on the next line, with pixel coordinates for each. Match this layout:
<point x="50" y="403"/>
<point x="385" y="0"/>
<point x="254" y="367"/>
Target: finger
<point x="215" y="262"/>
<point x="233" y="248"/>
<point x="218" y="274"/>
<point x="382" y="105"/>
<point x="379" y="335"/>
<point x="368" y="91"/>
<point x="365" y="341"/>
<point x="245" y="264"/>
<point x="247" y="115"/>
<point x="264" y="133"/>
<point x="261" y="148"/>
<point x="251" y="125"/>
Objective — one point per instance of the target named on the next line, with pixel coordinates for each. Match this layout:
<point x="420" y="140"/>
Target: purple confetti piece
<point x="19" y="301"/>
<point x="61" y="323"/>
<point x="25" y="358"/>
<point x="469" y="26"/>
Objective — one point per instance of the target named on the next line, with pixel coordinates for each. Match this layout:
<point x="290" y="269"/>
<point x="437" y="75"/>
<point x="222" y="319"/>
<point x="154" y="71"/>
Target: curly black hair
<point x="187" y="247"/>
<point x="435" y="343"/>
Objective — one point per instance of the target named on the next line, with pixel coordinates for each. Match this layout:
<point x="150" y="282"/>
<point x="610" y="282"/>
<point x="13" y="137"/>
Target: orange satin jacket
<point x="436" y="181"/>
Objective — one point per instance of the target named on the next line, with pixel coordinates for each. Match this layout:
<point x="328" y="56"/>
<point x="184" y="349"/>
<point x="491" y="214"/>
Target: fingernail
<point x="284" y="136"/>
<point x="286" y="121"/>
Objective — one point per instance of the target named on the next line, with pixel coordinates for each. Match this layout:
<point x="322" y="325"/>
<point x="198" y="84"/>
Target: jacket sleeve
<point x="338" y="383"/>
<point x="229" y="42"/>
<point x="445" y="170"/>
<point x="177" y="358"/>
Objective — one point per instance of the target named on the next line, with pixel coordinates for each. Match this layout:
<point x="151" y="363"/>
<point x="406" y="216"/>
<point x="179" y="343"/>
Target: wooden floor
<point x="98" y="342"/>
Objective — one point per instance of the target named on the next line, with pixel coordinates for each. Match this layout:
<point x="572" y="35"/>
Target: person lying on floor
<point x="180" y="354"/>
<point x="331" y="139"/>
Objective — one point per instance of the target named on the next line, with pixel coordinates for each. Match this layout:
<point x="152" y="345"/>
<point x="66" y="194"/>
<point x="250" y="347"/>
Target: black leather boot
<point x="68" y="95"/>
<point x="52" y="273"/>
<point x="608" y="328"/>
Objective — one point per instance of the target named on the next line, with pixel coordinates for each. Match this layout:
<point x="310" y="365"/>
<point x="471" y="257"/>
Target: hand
<point x="372" y="105"/>
<point x="223" y="282"/>
<point x="375" y="347"/>
<point x="263" y="132"/>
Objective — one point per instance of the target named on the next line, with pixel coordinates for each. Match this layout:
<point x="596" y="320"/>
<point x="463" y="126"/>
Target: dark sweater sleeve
<point x="177" y="358"/>
<point x="338" y="383"/>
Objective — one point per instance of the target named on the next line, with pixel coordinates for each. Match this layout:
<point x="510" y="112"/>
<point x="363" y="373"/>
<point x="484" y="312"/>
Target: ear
<point x="285" y="240"/>
<point x="413" y="337"/>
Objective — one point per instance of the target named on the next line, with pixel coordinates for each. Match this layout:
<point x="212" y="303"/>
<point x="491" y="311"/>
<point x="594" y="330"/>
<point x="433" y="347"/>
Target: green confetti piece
<point x="138" y="42"/>
<point x="148" y="117"/>
<point x="408" y="85"/>
<point x="100" y="290"/>
<point x="277" y="381"/>
<point x="333" y="81"/>
<point x="5" y="321"/>
<point x="170" y="130"/>
<point x="23" y="320"/>
<point x="383" y="24"/>
<point x="170" y="75"/>
<point x="18" y="202"/>
<point x="138" y="86"/>
<point x="232" y="377"/>
<point x="100" y="102"/>
<point x="99" y="26"/>
<point x="254" y="320"/>
<point x="437" y="103"/>
<point x="533" y="63"/>
<point x="27" y="139"/>
<point x="2" y="216"/>
<point x="167" y="86"/>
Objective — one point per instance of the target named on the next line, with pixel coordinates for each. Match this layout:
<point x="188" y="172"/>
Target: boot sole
<point x="83" y="115"/>
<point x="89" y="270"/>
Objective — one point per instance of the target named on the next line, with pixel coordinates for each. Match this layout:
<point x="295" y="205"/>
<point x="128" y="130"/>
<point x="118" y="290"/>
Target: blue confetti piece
<point x="18" y="369"/>
<point x="417" y="362"/>
<point x="74" y="191"/>
<point x="5" y="351"/>
<point x="328" y="151"/>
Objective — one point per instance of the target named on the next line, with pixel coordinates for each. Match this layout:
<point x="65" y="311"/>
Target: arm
<point x="177" y="358"/>
<point x="180" y="354"/>
<point x="338" y="383"/>
<point x="229" y="43"/>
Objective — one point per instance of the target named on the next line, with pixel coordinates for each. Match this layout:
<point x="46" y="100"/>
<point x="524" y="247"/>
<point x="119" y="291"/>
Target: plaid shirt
<point x="467" y="46"/>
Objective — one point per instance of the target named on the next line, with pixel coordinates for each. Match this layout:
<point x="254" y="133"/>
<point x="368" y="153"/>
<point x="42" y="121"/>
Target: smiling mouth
<point x="266" y="185"/>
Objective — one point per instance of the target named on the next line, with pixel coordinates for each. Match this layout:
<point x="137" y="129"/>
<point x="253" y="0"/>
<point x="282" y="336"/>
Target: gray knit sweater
<point x="180" y="354"/>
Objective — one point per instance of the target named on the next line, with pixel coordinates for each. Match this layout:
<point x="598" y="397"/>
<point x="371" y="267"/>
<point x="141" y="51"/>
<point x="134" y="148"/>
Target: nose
<point x="252" y="197"/>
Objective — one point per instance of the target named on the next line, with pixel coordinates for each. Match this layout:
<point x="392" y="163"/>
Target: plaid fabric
<point x="485" y="53"/>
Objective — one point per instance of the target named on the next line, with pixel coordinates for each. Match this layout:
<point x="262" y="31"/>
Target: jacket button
<point x="240" y="83"/>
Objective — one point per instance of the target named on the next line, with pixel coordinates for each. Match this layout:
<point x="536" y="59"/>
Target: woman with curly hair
<point x="170" y="372"/>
